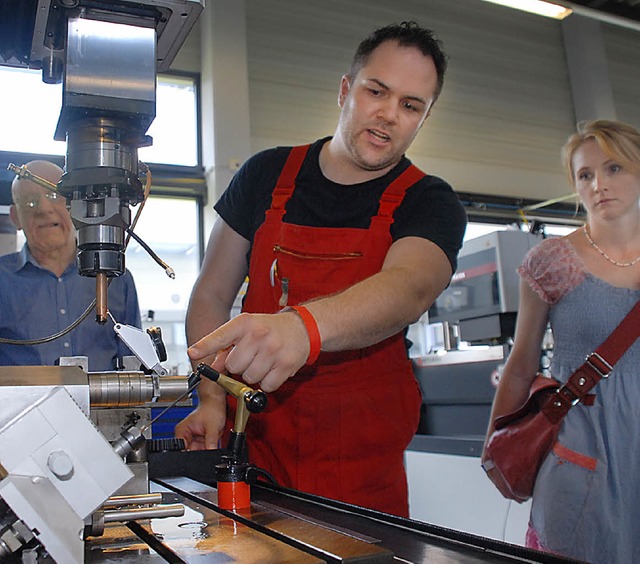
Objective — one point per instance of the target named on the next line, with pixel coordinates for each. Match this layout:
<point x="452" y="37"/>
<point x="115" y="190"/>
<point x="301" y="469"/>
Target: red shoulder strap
<point x="287" y="180"/>
<point x="393" y="195"/>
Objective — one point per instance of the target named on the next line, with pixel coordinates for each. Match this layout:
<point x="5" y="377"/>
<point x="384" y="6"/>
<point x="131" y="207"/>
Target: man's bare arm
<point x="222" y="273"/>
<point x="268" y="349"/>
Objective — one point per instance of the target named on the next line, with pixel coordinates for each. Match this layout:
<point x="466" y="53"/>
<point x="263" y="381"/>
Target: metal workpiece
<point x="120" y="389"/>
<point x="171" y="388"/>
<point x="141" y="499"/>
<point x="126" y="514"/>
<point x="127" y="389"/>
<point x="139" y="513"/>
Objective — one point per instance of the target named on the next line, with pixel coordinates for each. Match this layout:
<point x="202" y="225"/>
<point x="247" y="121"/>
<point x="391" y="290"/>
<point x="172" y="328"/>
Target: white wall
<point x="505" y="111"/>
<point x="452" y="491"/>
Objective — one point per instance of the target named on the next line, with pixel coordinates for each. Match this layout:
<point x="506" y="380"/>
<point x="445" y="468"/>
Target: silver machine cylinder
<point x="127" y="389"/>
<point x="108" y="103"/>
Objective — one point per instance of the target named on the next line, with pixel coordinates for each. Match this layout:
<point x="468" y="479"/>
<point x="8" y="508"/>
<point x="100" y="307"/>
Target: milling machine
<point x="62" y="477"/>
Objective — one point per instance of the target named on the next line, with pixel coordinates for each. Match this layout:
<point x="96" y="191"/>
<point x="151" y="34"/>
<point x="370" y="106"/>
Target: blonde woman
<point x="586" y="501"/>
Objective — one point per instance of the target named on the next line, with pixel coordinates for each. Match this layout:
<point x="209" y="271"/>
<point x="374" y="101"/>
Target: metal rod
<point x="139" y="513"/>
<point x="138" y="499"/>
<point x="24" y="172"/>
<point x="101" y="297"/>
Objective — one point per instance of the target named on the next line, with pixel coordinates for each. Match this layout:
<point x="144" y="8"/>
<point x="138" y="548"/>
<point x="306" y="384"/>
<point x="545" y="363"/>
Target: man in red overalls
<point x="345" y="243"/>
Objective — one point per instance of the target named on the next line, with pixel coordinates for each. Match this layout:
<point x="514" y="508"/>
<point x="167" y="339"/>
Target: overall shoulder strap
<point x="394" y="193"/>
<point x="287" y="180"/>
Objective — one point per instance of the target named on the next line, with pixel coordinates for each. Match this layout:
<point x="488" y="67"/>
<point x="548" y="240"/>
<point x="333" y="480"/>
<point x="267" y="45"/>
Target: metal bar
<point x="124" y="515"/>
<point x="139" y="499"/>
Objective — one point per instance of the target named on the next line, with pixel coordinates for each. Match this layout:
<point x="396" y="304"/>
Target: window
<point x="170" y="227"/>
<point x="30" y="124"/>
<point x="175" y="128"/>
<point x="34" y="109"/>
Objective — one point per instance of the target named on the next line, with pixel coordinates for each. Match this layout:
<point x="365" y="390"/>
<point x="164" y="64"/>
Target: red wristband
<point x="312" y="330"/>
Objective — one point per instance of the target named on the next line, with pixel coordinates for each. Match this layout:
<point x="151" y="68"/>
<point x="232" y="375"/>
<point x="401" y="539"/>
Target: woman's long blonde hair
<point x="618" y="140"/>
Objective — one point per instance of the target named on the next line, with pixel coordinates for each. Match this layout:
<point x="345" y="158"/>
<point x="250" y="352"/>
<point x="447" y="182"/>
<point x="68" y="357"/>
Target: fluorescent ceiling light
<point x="536" y="7"/>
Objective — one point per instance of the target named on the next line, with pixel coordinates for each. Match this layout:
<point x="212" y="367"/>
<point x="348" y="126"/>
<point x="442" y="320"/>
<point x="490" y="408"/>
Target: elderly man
<point x="41" y="292"/>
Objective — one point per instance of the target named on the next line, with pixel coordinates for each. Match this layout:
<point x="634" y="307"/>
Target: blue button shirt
<point x="35" y="303"/>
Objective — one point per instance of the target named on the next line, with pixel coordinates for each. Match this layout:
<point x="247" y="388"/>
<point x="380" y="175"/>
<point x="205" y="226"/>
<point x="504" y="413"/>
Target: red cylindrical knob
<point x="234" y="495"/>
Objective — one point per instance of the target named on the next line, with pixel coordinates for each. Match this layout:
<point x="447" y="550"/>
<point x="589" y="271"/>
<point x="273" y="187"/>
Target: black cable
<point x="255" y="472"/>
<point x="170" y="272"/>
<point x="29" y="342"/>
<point x="53" y="337"/>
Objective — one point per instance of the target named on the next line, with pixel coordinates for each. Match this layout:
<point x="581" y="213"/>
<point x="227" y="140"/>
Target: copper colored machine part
<point x="102" y="283"/>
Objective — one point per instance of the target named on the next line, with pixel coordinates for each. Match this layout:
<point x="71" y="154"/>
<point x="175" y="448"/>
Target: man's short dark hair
<point x="406" y="34"/>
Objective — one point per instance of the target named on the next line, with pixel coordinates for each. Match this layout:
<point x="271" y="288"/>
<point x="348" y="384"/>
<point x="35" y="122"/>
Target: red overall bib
<point x="338" y="428"/>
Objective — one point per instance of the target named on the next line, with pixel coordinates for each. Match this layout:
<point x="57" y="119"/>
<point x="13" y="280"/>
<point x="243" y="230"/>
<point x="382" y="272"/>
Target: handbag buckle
<point x="599" y="364"/>
<point x="565" y="393"/>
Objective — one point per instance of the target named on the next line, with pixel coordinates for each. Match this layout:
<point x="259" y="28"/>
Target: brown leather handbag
<point x="522" y="440"/>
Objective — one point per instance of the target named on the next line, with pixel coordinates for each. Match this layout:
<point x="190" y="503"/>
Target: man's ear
<point x="345" y="86"/>
<point x="425" y="117"/>
<point x="13" y="214"/>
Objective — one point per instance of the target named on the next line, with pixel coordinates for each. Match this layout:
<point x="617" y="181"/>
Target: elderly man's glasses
<point x="31" y="202"/>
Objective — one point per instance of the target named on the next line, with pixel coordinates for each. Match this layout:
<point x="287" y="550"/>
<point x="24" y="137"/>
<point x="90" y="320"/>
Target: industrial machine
<point x="72" y="491"/>
<point x="59" y="472"/>
<point x="106" y="54"/>
<point x="80" y="480"/>
<point x="74" y="450"/>
<point x="59" y="469"/>
<point x="482" y="299"/>
<point x="67" y="494"/>
<point x="479" y="309"/>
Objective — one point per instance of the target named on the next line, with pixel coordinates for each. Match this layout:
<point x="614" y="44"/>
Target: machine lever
<point x="254" y="400"/>
<point x="231" y="475"/>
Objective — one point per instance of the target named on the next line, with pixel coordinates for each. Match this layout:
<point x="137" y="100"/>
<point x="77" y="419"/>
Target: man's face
<point x="43" y="217"/>
<point x="385" y="105"/>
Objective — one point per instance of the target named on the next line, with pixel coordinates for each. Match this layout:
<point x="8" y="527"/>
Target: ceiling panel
<point x="623" y="8"/>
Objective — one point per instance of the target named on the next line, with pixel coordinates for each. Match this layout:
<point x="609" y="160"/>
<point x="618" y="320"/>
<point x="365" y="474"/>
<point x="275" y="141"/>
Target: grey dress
<point x="586" y="501"/>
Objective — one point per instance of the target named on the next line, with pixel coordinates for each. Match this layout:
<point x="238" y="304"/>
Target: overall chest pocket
<point x="297" y="275"/>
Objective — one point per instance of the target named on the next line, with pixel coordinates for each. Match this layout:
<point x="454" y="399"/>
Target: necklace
<point x="605" y="255"/>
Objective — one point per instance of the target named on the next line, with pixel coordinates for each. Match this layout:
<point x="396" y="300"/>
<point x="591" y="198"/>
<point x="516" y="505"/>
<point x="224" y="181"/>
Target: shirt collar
<point x="25" y="257"/>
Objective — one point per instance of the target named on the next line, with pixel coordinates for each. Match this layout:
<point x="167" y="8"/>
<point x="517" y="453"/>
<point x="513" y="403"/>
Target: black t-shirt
<point x="430" y="208"/>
